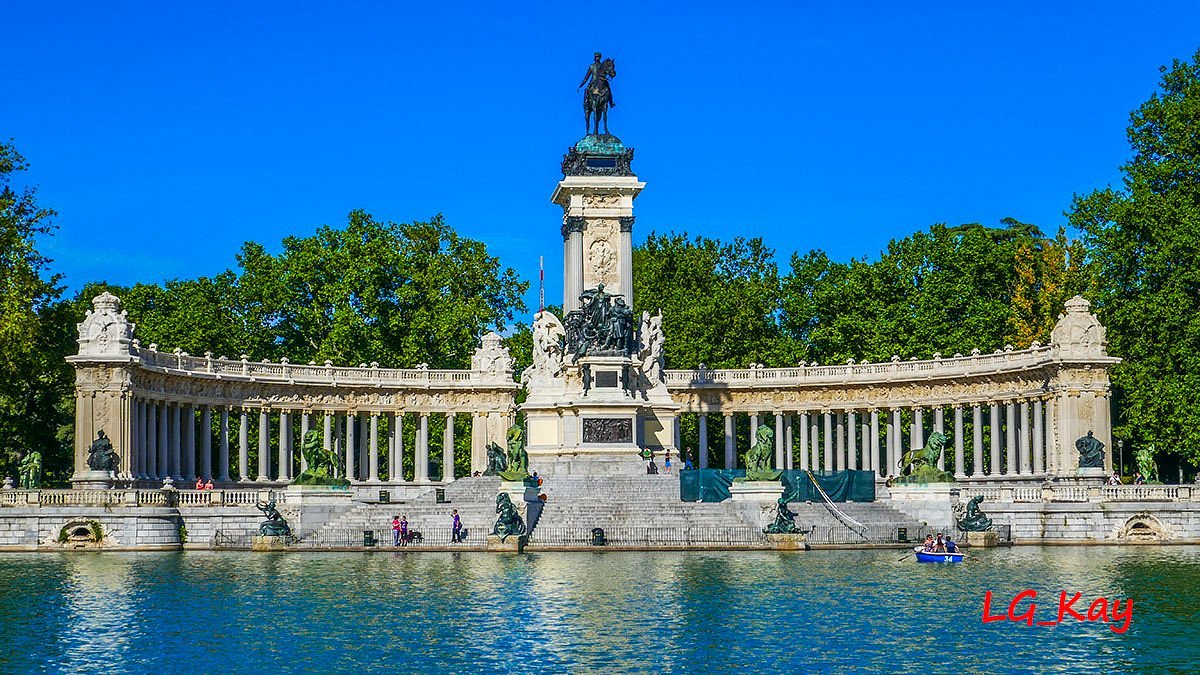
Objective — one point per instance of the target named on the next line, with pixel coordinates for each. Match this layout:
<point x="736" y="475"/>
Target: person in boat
<point x="951" y="547"/>
<point x="928" y="548"/>
<point x="939" y="545"/>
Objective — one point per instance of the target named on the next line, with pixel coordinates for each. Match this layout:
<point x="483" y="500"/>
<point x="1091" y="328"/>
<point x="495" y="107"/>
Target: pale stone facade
<point x="597" y="234"/>
<point x="181" y="416"/>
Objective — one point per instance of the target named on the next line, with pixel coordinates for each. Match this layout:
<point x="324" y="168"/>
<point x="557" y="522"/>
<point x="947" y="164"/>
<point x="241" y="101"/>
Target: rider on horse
<point x="598" y="98"/>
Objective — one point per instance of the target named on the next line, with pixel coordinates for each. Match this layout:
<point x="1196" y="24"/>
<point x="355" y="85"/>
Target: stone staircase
<point x="641" y="506"/>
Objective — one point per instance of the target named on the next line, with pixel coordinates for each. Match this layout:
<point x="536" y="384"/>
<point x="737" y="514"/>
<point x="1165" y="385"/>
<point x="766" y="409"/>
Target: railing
<point x="119" y="497"/>
<point x="1140" y="493"/>
<point x="1027" y="494"/>
<point x="956" y="366"/>
<point x="989" y="494"/>
<point x="1069" y="494"/>
<point x="1080" y="493"/>
<point x="320" y="374"/>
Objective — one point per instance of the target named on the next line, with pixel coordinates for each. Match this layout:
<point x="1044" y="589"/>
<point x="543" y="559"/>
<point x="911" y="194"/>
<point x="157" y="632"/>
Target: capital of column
<point x="626" y="223"/>
<point x="572" y="224"/>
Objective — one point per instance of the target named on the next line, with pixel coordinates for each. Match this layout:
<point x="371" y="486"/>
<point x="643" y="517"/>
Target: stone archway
<point x="1143" y="528"/>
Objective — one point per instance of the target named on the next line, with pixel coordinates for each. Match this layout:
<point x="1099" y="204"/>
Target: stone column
<point x="995" y="435"/>
<point x="243" y="446"/>
<point x="874" y="445"/>
<point x="1052" y="460"/>
<point x="779" y="461"/>
<point x="363" y="454"/>
<point x="960" y="460"/>
<point x="1010" y="438"/>
<point x="176" y="438"/>
<point x="189" y="443"/>
<point x="478" y="442"/>
<point x="753" y="427"/>
<point x="852" y="461"/>
<point x="1039" y="449"/>
<point x="448" y="449"/>
<point x="841" y="441"/>
<point x="139" y="440"/>
<point x="976" y="440"/>
<point x="373" y="451"/>
<point x="327" y="431"/>
<point x="730" y="451"/>
<point x="814" y="435"/>
<point x="264" y="446"/>
<point x="206" y="442"/>
<point x="625" y="259"/>
<point x="164" y="440"/>
<point x="897" y="449"/>
<point x="396" y="432"/>
<point x="1023" y="426"/>
<point x="939" y="427"/>
<point x="285" y="447"/>
<point x="828" y="417"/>
<point x="422" y="457"/>
<point x="916" y="438"/>
<point x="803" y="440"/>
<point x="223" y="447"/>
<point x="702" y="450"/>
<point x="351" y="471"/>
<point x="788" y="425"/>
<point x="1103" y="422"/>
<point x="305" y="426"/>
<point x="152" y="433"/>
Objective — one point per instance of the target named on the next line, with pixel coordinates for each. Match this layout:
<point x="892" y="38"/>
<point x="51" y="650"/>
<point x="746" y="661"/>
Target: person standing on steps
<point x="456" y="531"/>
<point x="404" y="530"/>
<point x="667" y="462"/>
<point x="395" y="530"/>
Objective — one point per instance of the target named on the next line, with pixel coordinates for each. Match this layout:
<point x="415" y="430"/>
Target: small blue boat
<point x="925" y="557"/>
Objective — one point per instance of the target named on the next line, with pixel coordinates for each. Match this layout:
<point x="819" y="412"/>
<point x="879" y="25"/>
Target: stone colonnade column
<point x="779" y="460"/>
<point x="730" y="451"/>
<point x="422" y="450"/>
<point x="176" y="422"/>
<point x="875" y="442"/>
<point x="976" y="440"/>
<point x="939" y="426"/>
<point x="206" y="442"/>
<point x="1023" y="448"/>
<point x="243" y="446"/>
<point x="1039" y="447"/>
<point x="264" y="446"/>
<point x="373" y="452"/>
<point x="396" y="444"/>
<point x="995" y="437"/>
<point x="223" y="447"/>
<point x="1010" y="439"/>
<point x="702" y="450"/>
<point x="803" y="422"/>
<point x="840" y="430"/>
<point x="448" y="449"/>
<point x="828" y="417"/>
<point x="305" y="427"/>
<point x="351" y="472"/>
<point x="152" y="451"/>
<point x="853" y="462"/>
<point x="960" y="460"/>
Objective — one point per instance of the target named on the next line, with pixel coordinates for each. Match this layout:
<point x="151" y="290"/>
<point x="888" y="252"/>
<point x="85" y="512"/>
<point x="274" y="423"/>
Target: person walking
<point x="404" y="530"/>
<point x="395" y="530"/>
<point x="456" y="534"/>
<point x="667" y="461"/>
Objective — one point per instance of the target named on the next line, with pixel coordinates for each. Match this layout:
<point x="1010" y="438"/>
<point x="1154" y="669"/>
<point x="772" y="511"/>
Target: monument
<point x="596" y="389"/>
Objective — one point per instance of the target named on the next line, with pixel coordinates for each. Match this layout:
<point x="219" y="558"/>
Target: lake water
<point x="556" y="612"/>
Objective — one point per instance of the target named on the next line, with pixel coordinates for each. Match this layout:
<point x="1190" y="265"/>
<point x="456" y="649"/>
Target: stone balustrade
<point x="1018" y="494"/>
<point x="183" y="499"/>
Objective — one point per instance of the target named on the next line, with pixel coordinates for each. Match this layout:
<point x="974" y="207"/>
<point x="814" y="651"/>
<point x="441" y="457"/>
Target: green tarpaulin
<point x="712" y="485"/>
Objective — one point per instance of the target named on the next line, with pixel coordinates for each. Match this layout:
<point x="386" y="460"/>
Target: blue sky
<point x="166" y="134"/>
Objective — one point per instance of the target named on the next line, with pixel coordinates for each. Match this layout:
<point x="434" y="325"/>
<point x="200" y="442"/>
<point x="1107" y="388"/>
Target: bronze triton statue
<point x="598" y="98"/>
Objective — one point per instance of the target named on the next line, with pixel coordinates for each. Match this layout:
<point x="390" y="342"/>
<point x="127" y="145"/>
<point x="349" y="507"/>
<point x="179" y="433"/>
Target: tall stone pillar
<point x="373" y="453"/>
<point x="448" y="449"/>
<point x="478" y="442"/>
<point x="852" y="460"/>
<point x="702" y="450"/>
<point x="363" y="454"/>
<point x="995" y="437"/>
<point x="788" y="444"/>
<point x="960" y="460"/>
<point x="351" y="446"/>
<point x="305" y="426"/>
<point x="397" y="433"/>
<point x="939" y="426"/>
<point x="804" y="444"/>
<point x="152" y="432"/>
<point x="206" y="442"/>
<point x="327" y="431"/>
<point x="730" y="451"/>
<point x="1023" y="427"/>
<point x="828" y="417"/>
<point x="596" y="195"/>
<point x="223" y="451"/>
<point x="139" y="417"/>
<point x="897" y="447"/>
<point x="779" y="461"/>
<point x="285" y="447"/>
<point x="1052" y="460"/>
<point x="753" y="427"/>
<point x="188" y="431"/>
<point x="1039" y="448"/>
<point x="841" y="440"/>
<point x="1010" y="438"/>
<point x="243" y="446"/>
<point x="875" y="443"/>
<point x="976" y="440"/>
<point x="176" y="438"/>
<point x="422" y="456"/>
<point x="264" y="446"/>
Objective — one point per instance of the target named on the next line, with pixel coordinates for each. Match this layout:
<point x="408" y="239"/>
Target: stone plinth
<point x="268" y="543"/>
<point x="929" y="503"/>
<point x="1094" y="474"/>
<point x="92" y="480"/>
<point x="983" y="539"/>
<point x="515" y="490"/>
<point x="756" y="491"/>
<point x="788" y="542"/>
<point x="511" y="544"/>
<point x="316" y="495"/>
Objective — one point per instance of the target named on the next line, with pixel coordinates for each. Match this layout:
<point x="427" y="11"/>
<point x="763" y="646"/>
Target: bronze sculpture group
<point x="101" y="456"/>
<point x="508" y="521"/>
<point x="598" y="98"/>
<point x="30" y="470"/>
<point x="970" y="518"/>
<point x="602" y="326"/>
<point x="274" y="525"/>
<point x="1091" y="452"/>
<point x="758" y="457"/>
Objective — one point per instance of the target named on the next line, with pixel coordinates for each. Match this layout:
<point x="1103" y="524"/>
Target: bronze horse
<point x="598" y="97"/>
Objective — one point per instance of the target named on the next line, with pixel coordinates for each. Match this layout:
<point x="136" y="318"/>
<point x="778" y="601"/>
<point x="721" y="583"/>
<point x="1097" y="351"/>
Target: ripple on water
<point x="758" y="612"/>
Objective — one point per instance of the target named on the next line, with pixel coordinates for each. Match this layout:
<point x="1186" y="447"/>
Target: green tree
<point x="720" y="301"/>
<point x="1144" y="240"/>
<point x="35" y="383"/>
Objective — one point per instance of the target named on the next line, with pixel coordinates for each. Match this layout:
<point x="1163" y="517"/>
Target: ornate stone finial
<point x="492" y="356"/>
<point x="106" y="330"/>
<point x="1078" y="331"/>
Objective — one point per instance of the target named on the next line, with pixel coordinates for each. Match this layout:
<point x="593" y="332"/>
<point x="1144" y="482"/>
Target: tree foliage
<point x="1144" y="240"/>
<point x="35" y="382"/>
<point x="720" y="300"/>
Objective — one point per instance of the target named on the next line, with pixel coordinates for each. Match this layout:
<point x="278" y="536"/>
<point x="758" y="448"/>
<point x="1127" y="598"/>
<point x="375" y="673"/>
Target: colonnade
<point x="186" y="441"/>
<point x="1000" y="438"/>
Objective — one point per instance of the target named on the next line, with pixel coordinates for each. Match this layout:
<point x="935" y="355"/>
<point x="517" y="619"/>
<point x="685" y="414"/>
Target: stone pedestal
<point x="766" y="491"/>
<point x="268" y="543"/>
<point x="788" y="542"/>
<point x="929" y="503"/>
<point x="512" y="544"/>
<point x="983" y="539"/>
<point x="92" y="480"/>
<point x="316" y="495"/>
<point x="1092" y="474"/>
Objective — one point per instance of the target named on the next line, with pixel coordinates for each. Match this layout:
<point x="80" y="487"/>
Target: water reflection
<point x="229" y="612"/>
